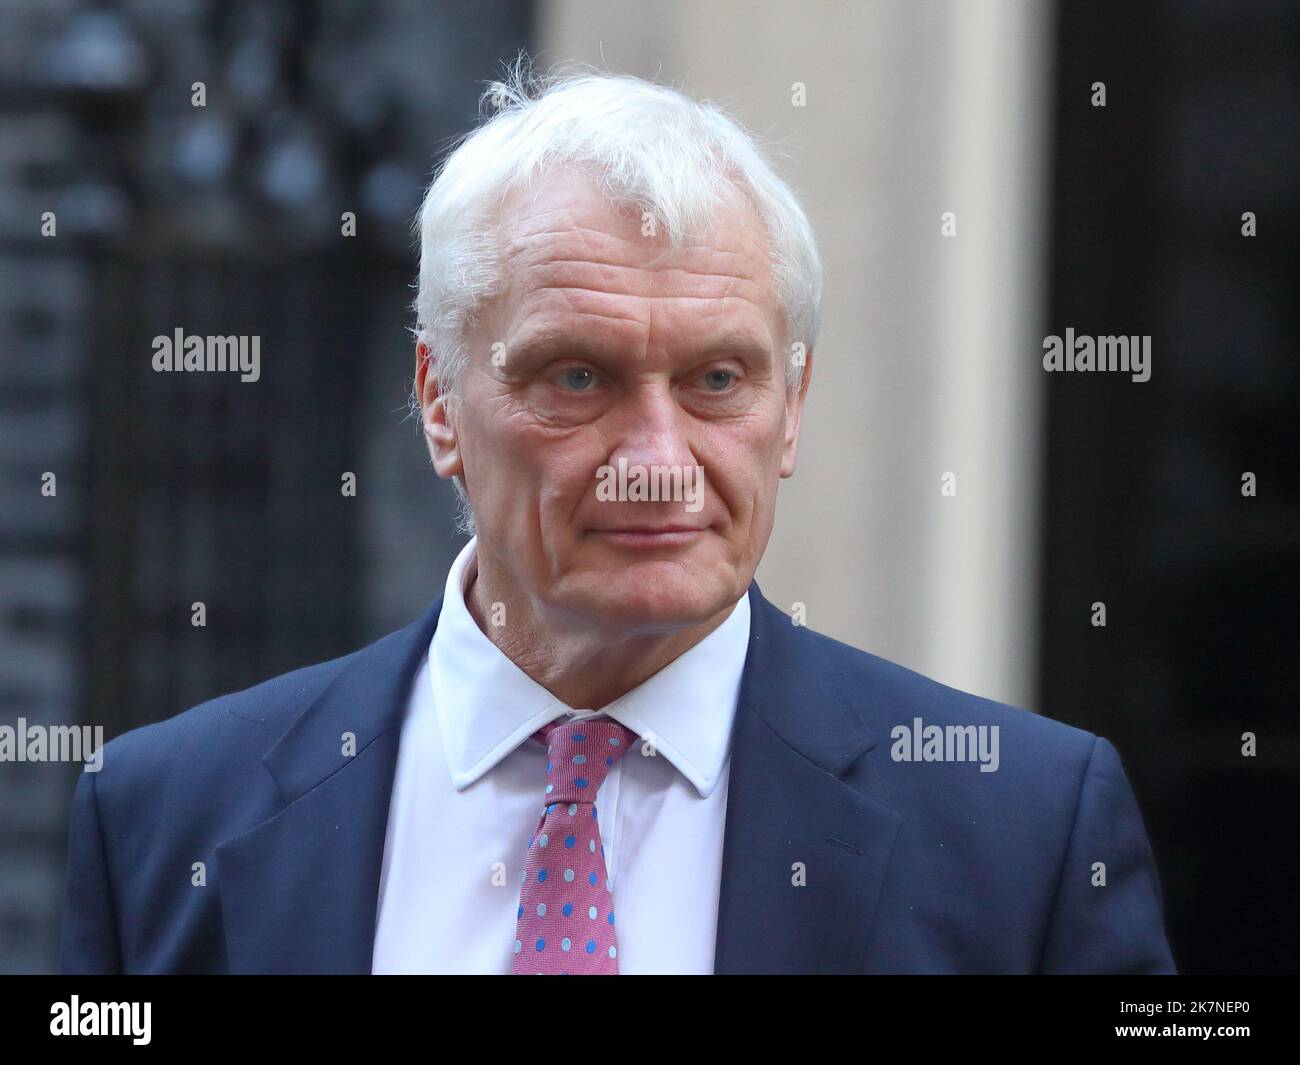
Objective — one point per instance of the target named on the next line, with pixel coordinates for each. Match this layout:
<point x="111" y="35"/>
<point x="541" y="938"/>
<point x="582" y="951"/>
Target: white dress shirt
<point x="470" y="787"/>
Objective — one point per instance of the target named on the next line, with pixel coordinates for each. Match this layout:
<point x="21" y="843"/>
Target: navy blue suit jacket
<point x="929" y="867"/>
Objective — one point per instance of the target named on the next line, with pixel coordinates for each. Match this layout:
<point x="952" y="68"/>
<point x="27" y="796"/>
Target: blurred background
<point x="1072" y="489"/>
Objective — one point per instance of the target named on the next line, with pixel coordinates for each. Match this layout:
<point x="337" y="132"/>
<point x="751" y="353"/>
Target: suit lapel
<point x="789" y="815"/>
<point x="299" y="892"/>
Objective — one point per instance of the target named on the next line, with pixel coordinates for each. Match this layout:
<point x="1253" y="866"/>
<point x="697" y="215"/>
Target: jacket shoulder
<point x="900" y="694"/>
<point x="263" y="711"/>
<point x="234" y="728"/>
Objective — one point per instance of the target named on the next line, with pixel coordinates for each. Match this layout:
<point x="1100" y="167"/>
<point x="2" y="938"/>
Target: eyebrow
<point x="551" y="344"/>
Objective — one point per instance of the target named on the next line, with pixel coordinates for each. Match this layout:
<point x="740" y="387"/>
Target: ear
<point x="793" y="412"/>
<point x="436" y="417"/>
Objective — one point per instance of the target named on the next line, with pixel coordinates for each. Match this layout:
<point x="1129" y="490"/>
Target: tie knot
<point x="579" y="754"/>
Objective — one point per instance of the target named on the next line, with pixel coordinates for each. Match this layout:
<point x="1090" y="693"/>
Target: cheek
<point x="502" y="464"/>
<point x="566" y="475"/>
<point x="742" y="461"/>
<point x="543" y="470"/>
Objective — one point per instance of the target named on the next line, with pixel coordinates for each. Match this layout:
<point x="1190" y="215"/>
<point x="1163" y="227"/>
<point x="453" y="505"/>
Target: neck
<point x="585" y="667"/>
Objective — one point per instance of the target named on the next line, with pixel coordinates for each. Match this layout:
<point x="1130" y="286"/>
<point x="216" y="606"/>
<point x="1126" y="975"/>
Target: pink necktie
<point x="566" y="911"/>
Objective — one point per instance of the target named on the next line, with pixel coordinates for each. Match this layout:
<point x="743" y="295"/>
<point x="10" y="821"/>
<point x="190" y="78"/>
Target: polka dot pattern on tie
<point x="566" y="908"/>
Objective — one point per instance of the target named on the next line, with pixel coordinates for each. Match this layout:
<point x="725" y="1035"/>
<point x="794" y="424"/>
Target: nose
<point x="651" y="429"/>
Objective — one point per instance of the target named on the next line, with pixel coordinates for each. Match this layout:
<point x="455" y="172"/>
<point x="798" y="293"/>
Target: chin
<point x="652" y="596"/>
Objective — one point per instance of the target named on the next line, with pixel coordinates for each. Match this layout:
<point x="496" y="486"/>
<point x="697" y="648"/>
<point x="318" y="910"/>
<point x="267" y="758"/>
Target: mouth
<point x="640" y="537"/>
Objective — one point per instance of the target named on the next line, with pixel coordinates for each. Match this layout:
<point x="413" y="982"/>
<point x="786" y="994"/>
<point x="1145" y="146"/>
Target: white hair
<point x="646" y="145"/>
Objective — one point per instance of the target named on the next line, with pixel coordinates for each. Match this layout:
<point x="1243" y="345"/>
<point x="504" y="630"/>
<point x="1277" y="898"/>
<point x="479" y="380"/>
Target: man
<point x="602" y="750"/>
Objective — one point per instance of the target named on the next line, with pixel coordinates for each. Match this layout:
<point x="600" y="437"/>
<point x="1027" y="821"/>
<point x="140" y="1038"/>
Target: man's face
<point x="606" y="349"/>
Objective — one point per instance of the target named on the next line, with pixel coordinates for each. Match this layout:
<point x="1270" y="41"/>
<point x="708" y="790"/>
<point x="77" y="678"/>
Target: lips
<point x="650" y="535"/>
<point x="651" y="530"/>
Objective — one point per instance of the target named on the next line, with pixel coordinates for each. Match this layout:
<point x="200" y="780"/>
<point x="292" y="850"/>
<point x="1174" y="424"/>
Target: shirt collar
<point x="487" y="706"/>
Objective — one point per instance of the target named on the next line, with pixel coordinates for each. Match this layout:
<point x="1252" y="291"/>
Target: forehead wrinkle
<point x="603" y="280"/>
<point x="526" y="230"/>
<point x="649" y="268"/>
<point x="583" y="302"/>
<point x="723" y="273"/>
<point x="528" y="236"/>
<point x="701" y="260"/>
<point x="587" y="286"/>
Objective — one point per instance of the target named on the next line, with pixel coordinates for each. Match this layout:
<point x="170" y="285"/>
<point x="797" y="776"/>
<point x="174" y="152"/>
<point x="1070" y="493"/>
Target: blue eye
<point x="578" y="379"/>
<point x="718" y="380"/>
